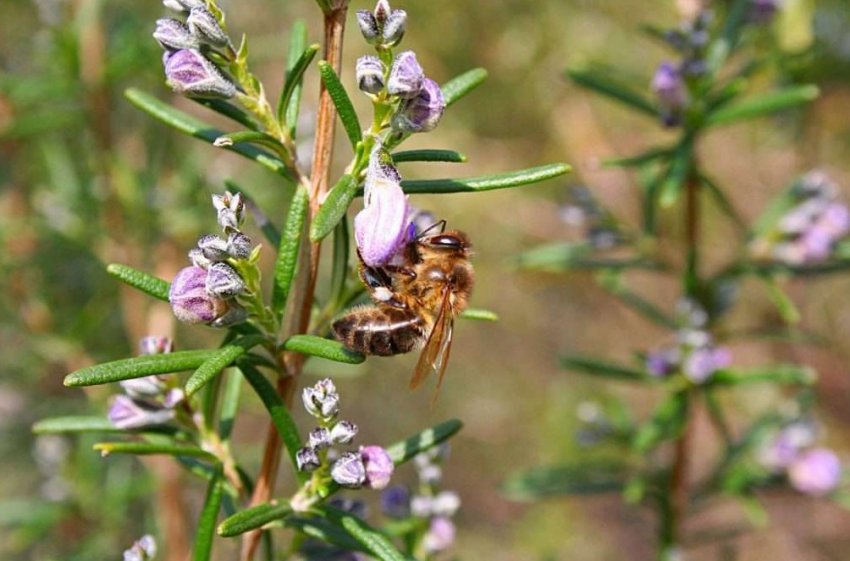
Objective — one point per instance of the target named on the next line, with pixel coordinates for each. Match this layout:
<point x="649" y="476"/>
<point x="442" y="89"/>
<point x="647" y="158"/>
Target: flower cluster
<point x="143" y="549"/>
<point x="417" y="101"/>
<point x="207" y="291"/>
<point x="809" y="230"/>
<point x="149" y="400"/>
<point x="695" y="354"/>
<point x="191" y="47"/>
<point x="811" y="470"/>
<point x="370" y="466"/>
<point x="429" y="504"/>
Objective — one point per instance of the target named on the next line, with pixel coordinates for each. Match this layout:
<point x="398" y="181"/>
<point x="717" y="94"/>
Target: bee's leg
<point x="441" y="225"/>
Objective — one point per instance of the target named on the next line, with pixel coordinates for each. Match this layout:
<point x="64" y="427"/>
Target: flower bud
<point x="703" y="362"/>
<point x="381" y="228"/>
<point x="307" y="459"/>
<point x="153" y="345"/>
<point x="146" y="386"/>
<point x="368" y="26"/>
<point x="382" y="12"/>
<point x="129" y="413"/>
<point x="144" y="549"/>
<point x="206" y="28"/>
<point x="223" y="281"/>
<point x="379" y="466"/>
<point x="322" y="399"/>
<point x="422" y="113"/>
<point x="239" y="245"/>
<point x="370" y="74"/>
<point x="213" y="248"/>
<point x="183" y="5"/>
<point x="173" y="35"/>
<point x="349" y="470"/>
<point x="395" y="502"/>
<point x="394" y="28"/>
<point x="343" y="432"/>
<point x="421" y="506"/>
<point x="669" y="89"/>
<point x="231" y="210"/>
<point x="406" y="76"/>
<point x="319" y="438"/>
<point x="816" y="472"/>
<point x="440" y="535"/>
<point x="189" y="298"/>
<point x="198" y="259"/>
<point x="188" y="72"/>
<point x="445" y="504"/>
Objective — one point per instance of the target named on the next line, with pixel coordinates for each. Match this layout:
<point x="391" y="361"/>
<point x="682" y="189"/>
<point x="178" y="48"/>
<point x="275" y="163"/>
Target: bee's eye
<point x="446" y="241"/>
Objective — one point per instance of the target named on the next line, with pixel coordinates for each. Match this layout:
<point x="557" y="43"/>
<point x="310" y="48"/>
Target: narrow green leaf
<point x="479" y="314"/>
<point x="324" y="531"/>
<point x="790" y="374"/>
<point x="247" y="137"/>
<point x="148" y="449"/>
<point x="680" y="168"/>
<point x="294" y="76"/>
<point x="763" y="105"/>
<point x="594" y="367"/>
<point x="611" y="88"/>
<point x="252" y="518"/>
<point x="342" y="102"/>
<point x="322" y="348"/>
<point x="460" y="86"/>
<point x="221" y="358"/>
<point x="486" y="183"/>
<point x="148" y="284"/>
<point x="333" y="208"/>
<point x="783" y="302"/>
<point x="339" y="262"/>
<point x="639" y="160"/>
<point x="613" y="283"/>
<point x="230" y="111"/>
<point x="287" y="253"/>
<point x="667" y="422"/>
<point x="569" y="256"/>
<point x="205" y="534"/>
<point x="297" y="45"/>
<point x="137" y="367"/>
<point x="196" y="128"/>
<point x="723" y="202"/>
<point x="405" y="450"/>
<point x="373" y="540"/>
<point x="229" y="403"/>
<point x="428" y="156"/>
<point x="591" y="478"/>
<point x="278" y="412"/>
<point x="100" y="424"/>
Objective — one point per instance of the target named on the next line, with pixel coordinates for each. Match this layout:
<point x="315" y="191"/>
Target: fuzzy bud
<point x="815" y="472"/>
<point x="144" y="549"/>
<point x="183" y="5"/>
<point x="189" y="298"/>
<point x="230" y="209"/>
<point x="349" y="470"/>
<point x="394" y="28"/>
<point x="129" y="413"/>
<point x="322" y="399"/>
<point x="423" y="112"/>
<point x="319" y="438"/>
<point x="146" y="386"/>
<point x="368" y="26"/>
<point x="406" y="76"/>
<point x="239" y="245"/>
<point x="188" y="72"/>
<point x="343" y="432"/>
<point x="370" y="74"/>
<point x="174" y="35"/>
<point x="206" y="28"/>
<point x="379" y="466"/>
<point x="213" y="248"/>
<point x="307" y="459"/>
<point x="223" y="281"/>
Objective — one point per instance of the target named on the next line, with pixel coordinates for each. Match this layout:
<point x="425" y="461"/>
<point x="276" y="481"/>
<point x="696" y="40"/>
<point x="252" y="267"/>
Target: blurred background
<point x="86" y="179"/>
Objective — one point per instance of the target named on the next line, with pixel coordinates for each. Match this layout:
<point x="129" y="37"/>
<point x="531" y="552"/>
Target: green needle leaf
<point x="205" y="534"/>
<point x="763" y="105"/>
<point x="322" y="348"/>
<point x="137" y="367"/>
<point x="252" y="518"/>
<point x="221" y="358"/>
<point x="198" y="129"/>
<point x="342" y="103"/>
<point x="297" y="45"/>
<point x="479" y="314"/>
<point x="594" y="367"/>
<point x="334" y="207"/>
<point x="148" y="449"/>
<point x="287" y="253"/>
<point x="790" y="374"/>
<point x="460" y="86"/>
<point x="487" y="182"/>
<point x="81" y="424"/>
<point x="229" y="404"/>
<point x="603" y="84"/>
<point x="667" y="422"/>
<point x="280" y="416"/>
<point x="294" y="76"/>
<point x="148" y="284"/>
<point x="373" y="540"/>
<point x="405" y="450"/>
<point x="325" y="531"/>
<point x="428" y="156"/>
<point x="230" y="111"/>
<point x="591" y="478"/>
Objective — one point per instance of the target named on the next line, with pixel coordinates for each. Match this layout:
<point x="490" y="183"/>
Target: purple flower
<point x="381" y="228"/>
<point x="662" y="363"/>
<point x="379" y="466"/>
<point x="188" y="72"/>
<point x="319" y="438"/>
<point x="189" y="299"/>
<point x="787" y="445"/>
<point x="223" y="281"/>
<point x="343" y="432"/>
<point x="395" y="502"/>
<point x="440" y="535"/>
<point x="815" y="472"/>
<point x="205" y="27"/>
<point x="703" y="362"/>
<point x="144" y="549"/>
<point x="174" y="35"/>
<point x="835" y="219"/>
<point x="669" y="89"/>
<point x="153" y="345"/>
<point x="321" y="400"/>
<point x="406" y="76"/>
<point x="306" y="459"/>
<point x="129" y="413"/>
<point x="421" y="113"/>
<point x="349" y="470"/>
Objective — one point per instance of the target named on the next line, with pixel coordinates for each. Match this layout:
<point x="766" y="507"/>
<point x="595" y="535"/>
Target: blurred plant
<point x="803" y="233"/>
<point x="192" y="419"/>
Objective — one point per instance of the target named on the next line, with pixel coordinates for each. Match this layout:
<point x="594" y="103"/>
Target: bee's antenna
<point x="441" y="224"/>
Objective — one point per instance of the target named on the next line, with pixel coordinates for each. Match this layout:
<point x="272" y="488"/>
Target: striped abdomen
<point x="380" y="330"/>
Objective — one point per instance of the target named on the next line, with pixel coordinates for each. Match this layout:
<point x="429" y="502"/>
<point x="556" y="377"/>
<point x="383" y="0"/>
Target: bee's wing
<point x="435" y="355"/>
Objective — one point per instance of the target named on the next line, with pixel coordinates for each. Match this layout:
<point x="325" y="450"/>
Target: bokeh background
<point x="86" y="179"/>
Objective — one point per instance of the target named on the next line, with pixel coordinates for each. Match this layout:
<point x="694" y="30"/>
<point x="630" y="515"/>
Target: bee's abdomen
<point x="381" y="331"/>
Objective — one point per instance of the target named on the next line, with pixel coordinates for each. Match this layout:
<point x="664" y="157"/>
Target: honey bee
<point x="415" y="303"/>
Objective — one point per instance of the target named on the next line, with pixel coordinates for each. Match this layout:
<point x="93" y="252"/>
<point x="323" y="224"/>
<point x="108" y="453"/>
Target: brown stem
<point x="305" y="284"/>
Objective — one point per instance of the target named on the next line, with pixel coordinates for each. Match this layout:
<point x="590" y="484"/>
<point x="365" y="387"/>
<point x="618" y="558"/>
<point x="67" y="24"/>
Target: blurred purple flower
<point x="349" y="470"/>
<point x="422" y="112"/>
<point x="669" y="89"/>
<point x="395" y="502"/>
<point x="440" y="535"/>
<point x="154" y="345"/>
<point x="703" y="362"/>
<point x="784" y="448"/>
<point x="815" y="472"/>
<point x="379" y="466"/>
<point x="129" y="413"/>
<point x="763" y="11"/>
<point x="662" y="363"/>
